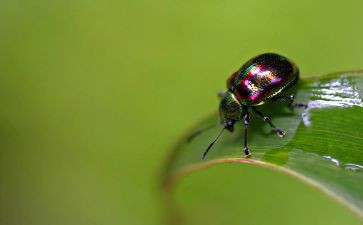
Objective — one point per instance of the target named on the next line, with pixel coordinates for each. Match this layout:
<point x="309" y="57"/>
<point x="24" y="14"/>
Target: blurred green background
<point x="93" y="93"/>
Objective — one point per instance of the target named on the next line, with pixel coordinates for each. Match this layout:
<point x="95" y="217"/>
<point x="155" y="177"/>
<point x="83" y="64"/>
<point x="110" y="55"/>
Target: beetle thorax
<point x="230" y="109"/>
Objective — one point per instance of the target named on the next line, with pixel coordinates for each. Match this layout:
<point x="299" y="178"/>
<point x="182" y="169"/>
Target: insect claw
<point x="300" y="105"/>
<point x="280" y="133"/>
<point x="247" y="152"/>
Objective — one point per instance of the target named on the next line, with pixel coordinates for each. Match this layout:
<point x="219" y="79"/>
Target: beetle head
<point x="230" y="110"/>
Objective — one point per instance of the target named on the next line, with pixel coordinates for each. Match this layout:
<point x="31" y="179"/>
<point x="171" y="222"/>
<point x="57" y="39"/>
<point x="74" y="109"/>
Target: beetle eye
<point x="229" y="125"/>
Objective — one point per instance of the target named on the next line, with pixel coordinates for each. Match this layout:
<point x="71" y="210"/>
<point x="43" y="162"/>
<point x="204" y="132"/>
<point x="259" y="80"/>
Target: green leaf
<point x="323" y="145"/>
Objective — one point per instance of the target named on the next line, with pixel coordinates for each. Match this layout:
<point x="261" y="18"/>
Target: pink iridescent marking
<point x="255" y="70"/>
<point x="254" y="97"/>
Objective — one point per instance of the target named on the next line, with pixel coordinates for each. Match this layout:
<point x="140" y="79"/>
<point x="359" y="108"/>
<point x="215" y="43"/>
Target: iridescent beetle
<point x="259" y="80"/>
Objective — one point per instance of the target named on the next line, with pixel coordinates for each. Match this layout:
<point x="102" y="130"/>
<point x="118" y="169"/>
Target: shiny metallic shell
<point x="262" y="77"/>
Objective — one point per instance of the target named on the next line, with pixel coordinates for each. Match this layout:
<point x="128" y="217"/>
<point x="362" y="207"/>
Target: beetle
<point x="261" y="79"/>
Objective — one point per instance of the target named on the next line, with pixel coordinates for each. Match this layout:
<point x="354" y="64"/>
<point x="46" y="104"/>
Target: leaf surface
<point x="323" y="145"/>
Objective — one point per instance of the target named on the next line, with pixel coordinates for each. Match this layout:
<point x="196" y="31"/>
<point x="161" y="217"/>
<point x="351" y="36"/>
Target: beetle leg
<point x="277" y="130"/>
<point x="299" y="105"/>
<point x="246" y="121"/>
<point x="290" y="100"/>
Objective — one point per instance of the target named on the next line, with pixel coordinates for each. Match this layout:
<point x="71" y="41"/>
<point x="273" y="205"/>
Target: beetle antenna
<point x="211" y="144"/>
<point x="198" y="132"/>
